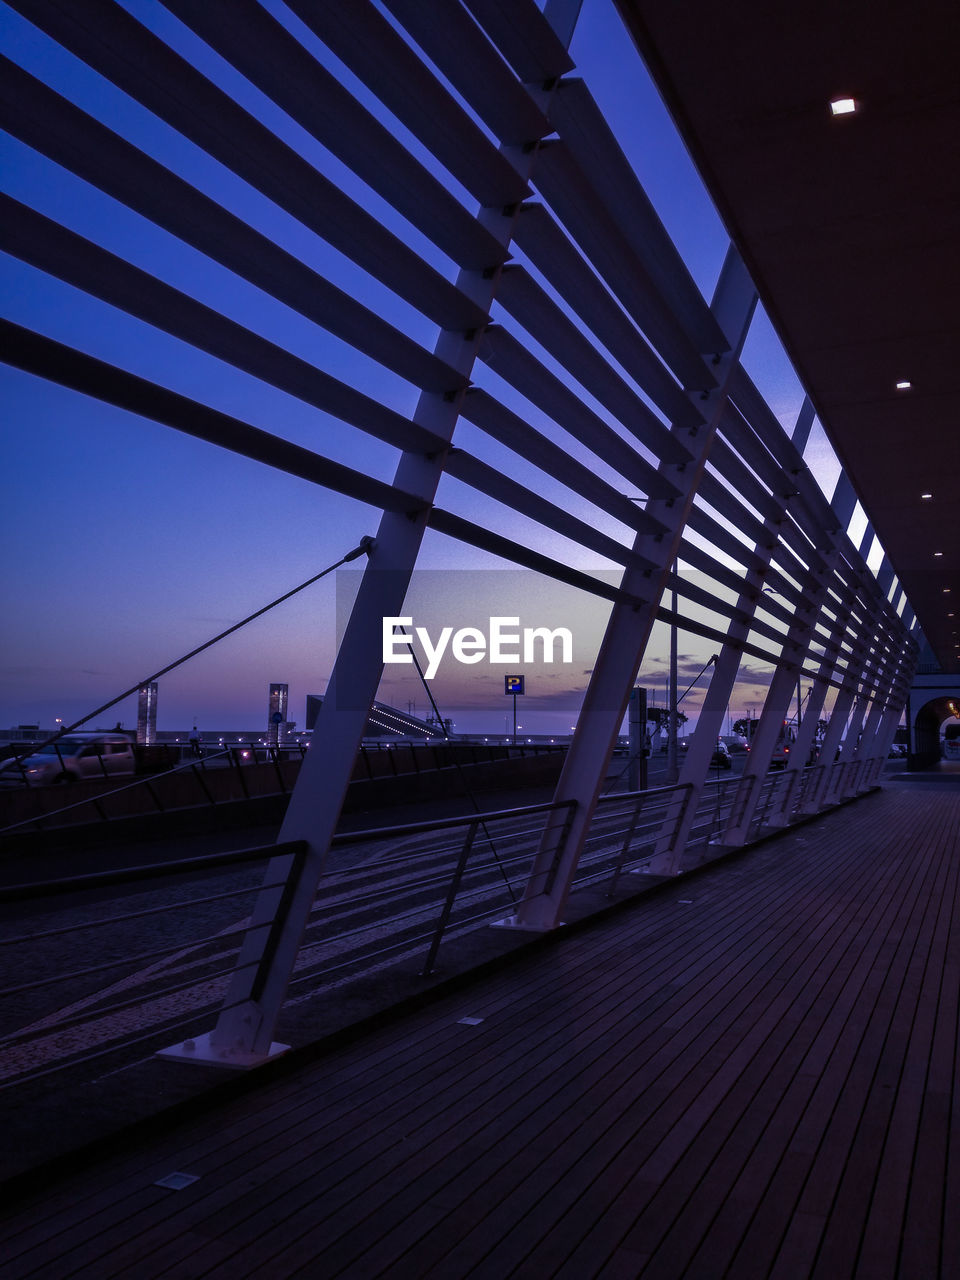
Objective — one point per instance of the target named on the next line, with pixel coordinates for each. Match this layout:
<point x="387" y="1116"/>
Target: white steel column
<point x="873" y="746"/>
<point x="865" y="681"/>
<point x="243" y="1035"/>
<point x="798" y="767"/>
<point x="696" y="764"/>
<point x="628" y="628"/>
<point x="874" y="699"/>
<point x="776" y="705"/>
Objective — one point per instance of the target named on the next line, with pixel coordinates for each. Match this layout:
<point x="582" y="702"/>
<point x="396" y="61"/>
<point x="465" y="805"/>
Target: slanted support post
<point x="629" y="625"/>
<point x="696" y="766"/>
<point x="247" y="1022"/>
<point x="787" y="676"/>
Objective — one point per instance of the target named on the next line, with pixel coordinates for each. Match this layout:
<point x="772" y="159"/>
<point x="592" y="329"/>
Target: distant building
<point x="277" y="712"/>
<point x="147" y="714"/>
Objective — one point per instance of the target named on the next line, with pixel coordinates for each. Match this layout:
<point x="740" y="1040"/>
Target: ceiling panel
<point x="851" y="228"/>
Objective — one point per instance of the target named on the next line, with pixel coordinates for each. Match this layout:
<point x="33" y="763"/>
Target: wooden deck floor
<point x="751" y="1074"/>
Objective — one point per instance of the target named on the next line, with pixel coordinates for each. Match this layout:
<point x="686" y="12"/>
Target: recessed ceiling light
<point x="843" y="106"/>
<point x="904" y="385"/>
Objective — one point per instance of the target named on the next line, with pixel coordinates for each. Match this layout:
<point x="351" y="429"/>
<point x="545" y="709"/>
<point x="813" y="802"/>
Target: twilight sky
<point x="127" y="543"/>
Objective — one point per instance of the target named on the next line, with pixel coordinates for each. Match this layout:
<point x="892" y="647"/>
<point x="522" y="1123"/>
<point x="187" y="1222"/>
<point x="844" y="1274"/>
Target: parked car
<point x="78" y="755"/>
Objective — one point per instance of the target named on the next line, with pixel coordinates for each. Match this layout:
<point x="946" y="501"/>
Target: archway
<point x="925" y="728"/>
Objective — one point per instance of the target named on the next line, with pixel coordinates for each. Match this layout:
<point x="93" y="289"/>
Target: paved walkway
<point x="751" y="1073"/>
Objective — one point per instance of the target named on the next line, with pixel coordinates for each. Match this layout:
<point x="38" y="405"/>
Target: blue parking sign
<point x="513" y="684"/>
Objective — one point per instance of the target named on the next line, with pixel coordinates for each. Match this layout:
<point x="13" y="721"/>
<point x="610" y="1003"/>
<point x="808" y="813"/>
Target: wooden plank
<point x="498" y="1161"/>
<point x="659" y="1097"/>
<point x="310" y="1190"/>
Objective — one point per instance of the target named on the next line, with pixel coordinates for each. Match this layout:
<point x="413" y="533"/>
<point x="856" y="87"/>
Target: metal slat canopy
<point x="502" y="424"/>
<point x="116" y="45"/>
<point x="571" y="195"/>
<point x="524" y="37"/>
<point x="556" y="258"/>
<point x="520" y="294"/>
<point x="359" y="35"/>
<point x="269" y="56"/>
<point x="727" y="465"/>
<point x="454" y="43"/>
<point x="476" y="535"/>
<point x="521" y="499"/>
<point x="46" y="358"/>
<point x="591" y="142"/>
<point x="511" y="361"/>
<point x="48" y="122"/>
<point x="54" y="249"/>
<point x="613" y="424"/>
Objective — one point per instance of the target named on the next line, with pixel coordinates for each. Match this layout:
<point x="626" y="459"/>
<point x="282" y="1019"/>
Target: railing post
<point x="198" y="774"/>
<point x="627" y="841"/>
<point x="274" y="753"/>
<point x="450" y="899"/>
<point x="263" y="937"/>
<point x="315" y="804"/>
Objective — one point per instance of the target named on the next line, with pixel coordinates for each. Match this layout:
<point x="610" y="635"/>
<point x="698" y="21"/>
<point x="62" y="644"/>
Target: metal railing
<point x="163" y="789"/>
<point x="389" y="896"/>
<point x="165" y="970"/>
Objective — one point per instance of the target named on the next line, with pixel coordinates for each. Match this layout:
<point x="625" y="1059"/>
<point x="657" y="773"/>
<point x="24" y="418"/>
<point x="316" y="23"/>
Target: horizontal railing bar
<point x="150" y="871"/>
<point x="22" y="1035"/>
<point x="339" y="880"/>
<point x="439" y="824"/>
<point x="163" y="1028"/>
<point x="123" y="918"/>
<point x="135" y="958"/>
<point x="622" y="797"/>
<point x="435" y="882"/>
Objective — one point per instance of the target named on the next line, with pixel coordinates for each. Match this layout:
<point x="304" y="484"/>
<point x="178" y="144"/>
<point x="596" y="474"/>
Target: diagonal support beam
<point x="628" y="628"/>
<point x="248" y="1019"/>
<point x="696" y="764"/>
